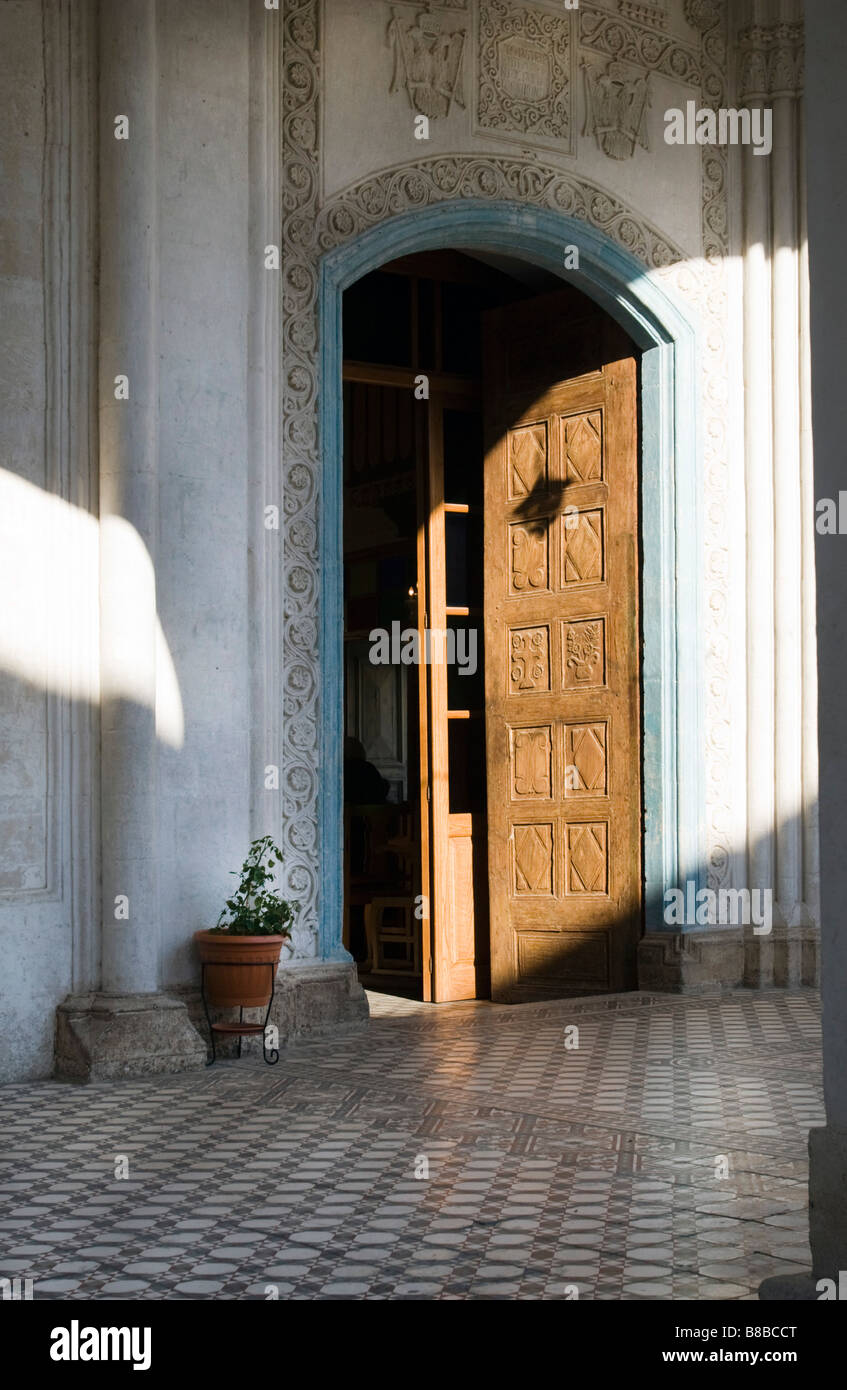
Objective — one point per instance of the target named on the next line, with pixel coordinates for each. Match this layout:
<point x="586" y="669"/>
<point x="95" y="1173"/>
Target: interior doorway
<point x="492" y="765"/>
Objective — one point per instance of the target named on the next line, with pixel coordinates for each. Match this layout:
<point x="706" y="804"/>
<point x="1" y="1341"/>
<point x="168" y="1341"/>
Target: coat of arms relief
<point x="617" y="102"/>
<point x="428" y="61"/>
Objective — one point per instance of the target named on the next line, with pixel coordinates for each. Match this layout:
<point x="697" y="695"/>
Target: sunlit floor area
<point x="446" y="1151"/>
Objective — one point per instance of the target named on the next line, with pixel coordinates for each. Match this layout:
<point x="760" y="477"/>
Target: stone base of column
<point x="706" y="961"/>
<point x="827" y="1224"/>
<point x="789" y="1288"/>
<point x="827" y="1201"/>
<point x="102" y="1037"/>
<point x="312" y="999"/>
<point x="690" y="962"/>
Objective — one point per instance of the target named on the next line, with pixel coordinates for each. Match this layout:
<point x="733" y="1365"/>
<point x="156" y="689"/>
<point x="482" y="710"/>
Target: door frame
<point x="673" y="747"/>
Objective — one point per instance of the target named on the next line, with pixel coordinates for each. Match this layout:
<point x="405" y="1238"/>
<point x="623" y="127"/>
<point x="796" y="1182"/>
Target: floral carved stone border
<point x="452" y="177"/>
<point x="309" y="230"/>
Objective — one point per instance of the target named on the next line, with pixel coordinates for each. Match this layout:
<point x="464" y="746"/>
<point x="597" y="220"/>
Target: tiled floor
<point x="551" y="1169"/>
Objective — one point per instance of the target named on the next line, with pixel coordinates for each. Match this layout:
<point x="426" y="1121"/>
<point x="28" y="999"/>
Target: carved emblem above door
<point x="428" y="61"/>
<point x="617" y="102"/>
<point x="526" y="77"/>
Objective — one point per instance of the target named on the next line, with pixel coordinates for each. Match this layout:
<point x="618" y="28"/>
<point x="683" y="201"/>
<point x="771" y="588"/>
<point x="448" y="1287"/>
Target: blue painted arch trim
<point x="673" y="748"/>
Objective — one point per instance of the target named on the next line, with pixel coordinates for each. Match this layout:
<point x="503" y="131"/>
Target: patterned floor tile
<point x="458" y="1152"/>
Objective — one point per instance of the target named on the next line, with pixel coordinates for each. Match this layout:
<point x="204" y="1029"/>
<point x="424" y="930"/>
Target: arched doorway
<point x="670" y="707"/>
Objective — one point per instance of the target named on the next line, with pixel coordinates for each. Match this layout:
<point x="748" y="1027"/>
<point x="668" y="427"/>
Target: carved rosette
<point x="703" y="14"/>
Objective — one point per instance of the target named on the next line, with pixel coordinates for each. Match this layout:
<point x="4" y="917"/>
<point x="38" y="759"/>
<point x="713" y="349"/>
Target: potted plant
<point x="240" y="955"/>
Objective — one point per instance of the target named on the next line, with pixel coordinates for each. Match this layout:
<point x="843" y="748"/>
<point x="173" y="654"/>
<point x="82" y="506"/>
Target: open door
<point x="562" y="650"/>
<point x="456" y="694"/>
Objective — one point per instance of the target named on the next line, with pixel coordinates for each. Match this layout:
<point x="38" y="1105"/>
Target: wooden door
<point x="562" y="651"/>
<point x="459" y="909"/>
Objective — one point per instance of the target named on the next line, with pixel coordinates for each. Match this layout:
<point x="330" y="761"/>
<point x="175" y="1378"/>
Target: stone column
<point x="128" y="1027"/>
<point x="826" y="180"/>
<point x="781" y="740"/>
<point x="826" y="114"/>
<point x="760" y="510"/>
<point x="811" y="837"/>
<point x="788" y="586"/>
<point x="128" y="497"/>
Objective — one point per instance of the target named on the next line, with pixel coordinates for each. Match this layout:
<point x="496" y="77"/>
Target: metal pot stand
<point x="240" y="1029"/>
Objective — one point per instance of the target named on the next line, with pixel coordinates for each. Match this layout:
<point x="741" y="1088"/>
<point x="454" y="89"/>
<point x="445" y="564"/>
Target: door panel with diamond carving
<point x="562" y="651"/>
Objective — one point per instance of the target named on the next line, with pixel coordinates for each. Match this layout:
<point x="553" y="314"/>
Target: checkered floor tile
<point x="448" y="1151"/>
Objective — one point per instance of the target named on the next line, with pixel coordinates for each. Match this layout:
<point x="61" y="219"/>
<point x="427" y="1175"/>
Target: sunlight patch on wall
<point x="50" y="558"/>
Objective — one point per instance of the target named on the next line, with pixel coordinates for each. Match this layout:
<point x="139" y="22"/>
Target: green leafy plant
<point x="254" y="909"/>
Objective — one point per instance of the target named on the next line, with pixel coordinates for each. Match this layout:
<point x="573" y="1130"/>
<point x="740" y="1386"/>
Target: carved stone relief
<point x="654" y="14"/>
<point x="617" y="102"/>
<point x="525" y="65"/>
<point x="429" y="58"/>
<point x="618" y="38"/>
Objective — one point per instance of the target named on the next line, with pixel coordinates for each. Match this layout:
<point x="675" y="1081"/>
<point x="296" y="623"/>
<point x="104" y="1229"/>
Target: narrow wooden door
<point x="459" y="908"/>
<point x="562" y="651"/>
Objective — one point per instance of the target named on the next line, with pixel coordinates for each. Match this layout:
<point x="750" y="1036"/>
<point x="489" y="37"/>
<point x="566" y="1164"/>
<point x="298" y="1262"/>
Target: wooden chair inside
<point x="393" y="936"/>
<point x="379" y="865"/>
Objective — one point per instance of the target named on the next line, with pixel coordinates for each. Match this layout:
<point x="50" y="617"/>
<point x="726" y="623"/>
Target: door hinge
<point x="428" y="792"/>
<point x="431" y="966"/>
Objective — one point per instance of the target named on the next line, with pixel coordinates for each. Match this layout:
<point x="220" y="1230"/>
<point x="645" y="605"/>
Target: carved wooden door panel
<point x="562" y="651"/>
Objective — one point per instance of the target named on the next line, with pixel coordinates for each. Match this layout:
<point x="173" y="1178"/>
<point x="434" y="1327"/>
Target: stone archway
<point x="351" y="236"/>
<point x="314" y="223"/>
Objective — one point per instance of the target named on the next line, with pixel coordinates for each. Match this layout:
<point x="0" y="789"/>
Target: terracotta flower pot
<point x="238" y="968"/>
